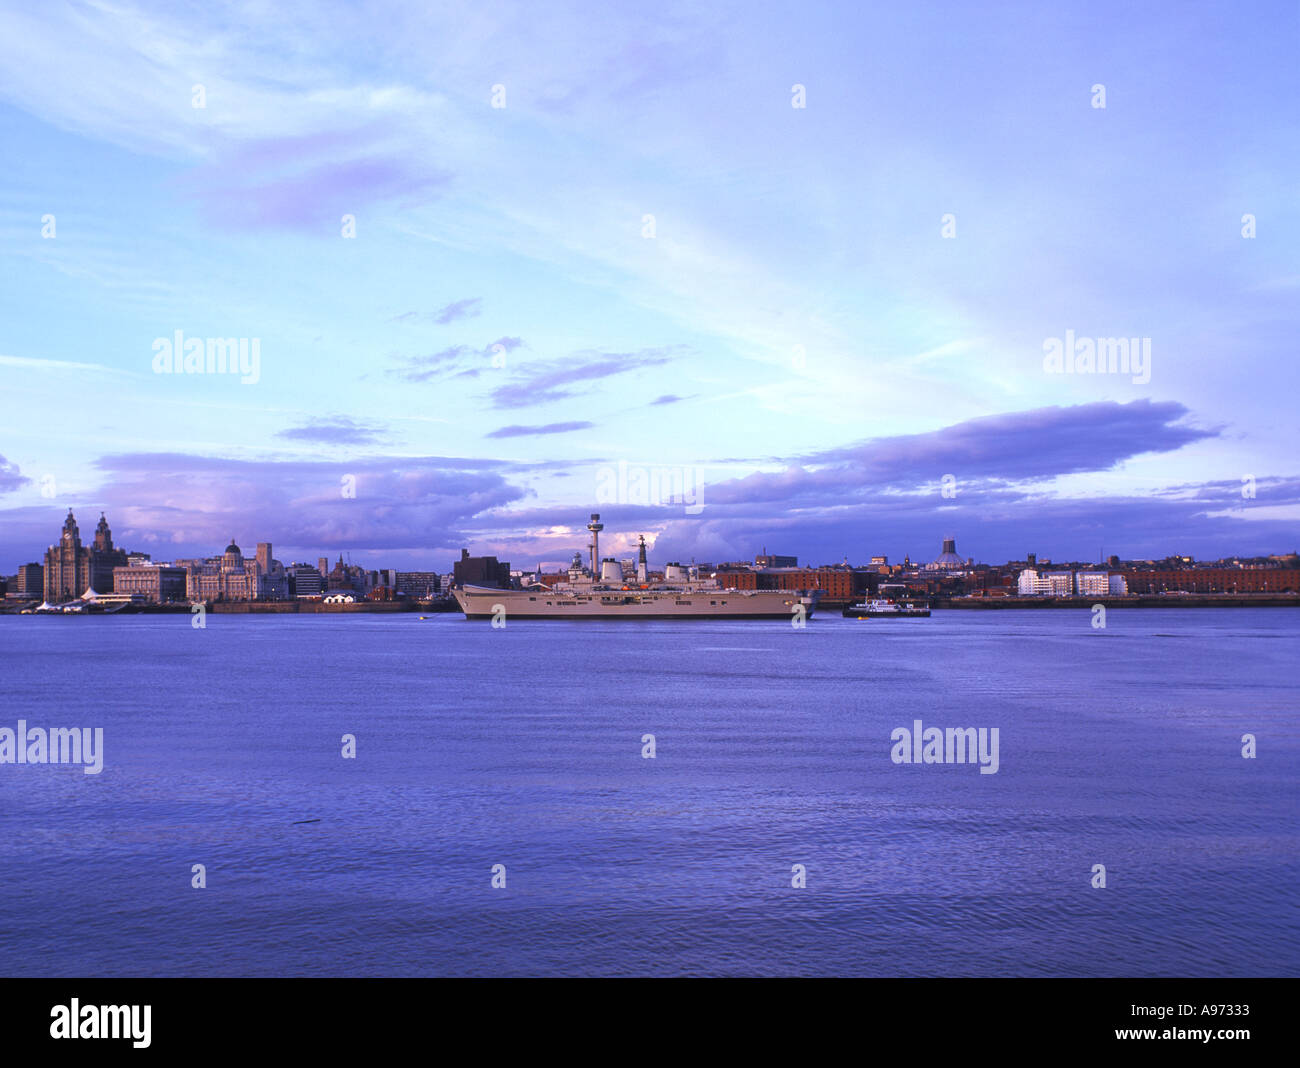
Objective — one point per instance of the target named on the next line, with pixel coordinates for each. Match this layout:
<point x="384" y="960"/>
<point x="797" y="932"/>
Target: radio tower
<point x="595" y="526"/>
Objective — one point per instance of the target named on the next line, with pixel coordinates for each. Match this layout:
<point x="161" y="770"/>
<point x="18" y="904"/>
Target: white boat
<point x="882" y="609"/>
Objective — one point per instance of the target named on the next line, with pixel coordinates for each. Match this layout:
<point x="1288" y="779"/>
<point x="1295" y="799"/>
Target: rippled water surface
<point x="523" y="746"/>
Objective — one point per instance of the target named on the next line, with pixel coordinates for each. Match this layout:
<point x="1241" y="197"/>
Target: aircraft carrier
<point x="605" y="592"/>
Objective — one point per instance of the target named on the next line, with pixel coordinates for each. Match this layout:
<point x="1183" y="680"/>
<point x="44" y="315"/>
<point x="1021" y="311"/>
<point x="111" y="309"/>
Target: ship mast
<point x="595" y="526"/>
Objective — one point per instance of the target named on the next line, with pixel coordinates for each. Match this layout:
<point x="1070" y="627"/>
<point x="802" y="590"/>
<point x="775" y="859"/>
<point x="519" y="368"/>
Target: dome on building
<point x="233" y="548"/>
<point x="948" y="560"/>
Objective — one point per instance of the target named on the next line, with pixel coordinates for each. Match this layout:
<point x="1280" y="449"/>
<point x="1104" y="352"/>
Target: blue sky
<point x="794" y="332"/>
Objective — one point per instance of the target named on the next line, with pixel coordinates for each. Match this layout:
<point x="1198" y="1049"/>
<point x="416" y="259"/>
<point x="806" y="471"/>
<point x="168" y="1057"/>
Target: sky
<point x="738" y="276"/>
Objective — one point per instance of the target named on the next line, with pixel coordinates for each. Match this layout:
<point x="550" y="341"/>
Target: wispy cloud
<point x="532" y="431"/>
<point x="543" y="382"/>
<point x="38" y="364"/>
<point x="455" y="361"/>
<point x="336" y="431"/>
<point x="280" y="185"/>
<point x="469" y="308"/>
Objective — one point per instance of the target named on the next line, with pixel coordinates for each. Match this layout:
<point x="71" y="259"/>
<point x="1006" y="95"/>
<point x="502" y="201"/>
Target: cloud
<point x="884" y="495"/>
<point x="469" y="308"/>
<point x="530" y="431"/>
<point x="992" y="524"/>
<point x="10" y="477"/>
<point x="175" y="504"/>
<point x="308" y="183"/>
<point x="435" y="364"/>
<point x="1011" y="448"/>
<point x="38" y="364"/>
<point x="455" y="361"/>
<point x="409" y="510"/>
<point x="668" y="398"/>
<point x="335" y="431"/>
<point x="541" y="383"/>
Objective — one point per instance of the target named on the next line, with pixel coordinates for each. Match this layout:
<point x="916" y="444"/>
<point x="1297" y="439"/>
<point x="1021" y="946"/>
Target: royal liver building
<point x="72" y="568"/>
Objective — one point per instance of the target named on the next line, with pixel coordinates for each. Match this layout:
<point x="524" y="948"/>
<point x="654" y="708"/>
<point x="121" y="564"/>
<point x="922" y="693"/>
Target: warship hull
<point x="480" y="602"/>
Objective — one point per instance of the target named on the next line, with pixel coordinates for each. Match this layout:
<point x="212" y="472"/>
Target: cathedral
<point x="72" y="568"/>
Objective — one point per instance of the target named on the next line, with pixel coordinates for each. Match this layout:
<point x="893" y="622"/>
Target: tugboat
<point x="881" y="609"/>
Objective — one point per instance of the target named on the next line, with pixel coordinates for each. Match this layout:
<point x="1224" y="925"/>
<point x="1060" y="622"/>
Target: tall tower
<point x="595" y="526"/>
<point x="67" y="565"/>
<point x="102" y="557"/>
<point x="103" y="536"/>
<point x="264" y="557"/>
<point x="640" y="560"/>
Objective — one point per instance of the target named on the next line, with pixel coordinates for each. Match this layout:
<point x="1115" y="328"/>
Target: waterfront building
<point x="419" y="585"/>
<point x="231" y="577"/>
<point x="72" y="568"/>
<point x="350" y="577"/>
<point x="837" y="584"/>
<point x="1036" y="583"/>
<point x="1214" y="580"/>
<point x="30" y="580"/>
<point x="1100" y="584"/>
<point x="764" y="560"/>
<point x="304" y="581"/>
<point x="67" y="565"/>
<point x="480" y="571"/>
<point x="153" y="583"/>
<point x="224" y="578"/>
<point x="104" y="558"/>
<point x="272" y="580"/>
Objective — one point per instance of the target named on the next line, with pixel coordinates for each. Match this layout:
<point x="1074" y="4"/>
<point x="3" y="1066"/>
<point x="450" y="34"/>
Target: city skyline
<point x="761" y="558"/>
<point x="815" y="268"/>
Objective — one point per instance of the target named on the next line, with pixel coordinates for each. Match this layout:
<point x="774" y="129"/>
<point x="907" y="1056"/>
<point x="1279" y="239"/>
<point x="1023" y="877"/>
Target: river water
<point x="523" y="747"/>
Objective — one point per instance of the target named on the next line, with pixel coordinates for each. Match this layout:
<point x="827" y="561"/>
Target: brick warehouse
<point x="1215" y="580"/>
<point x="836" y="583"/>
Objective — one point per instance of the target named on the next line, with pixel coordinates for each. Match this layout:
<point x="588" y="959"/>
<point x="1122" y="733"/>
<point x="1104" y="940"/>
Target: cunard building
<point x="72" y="568"/>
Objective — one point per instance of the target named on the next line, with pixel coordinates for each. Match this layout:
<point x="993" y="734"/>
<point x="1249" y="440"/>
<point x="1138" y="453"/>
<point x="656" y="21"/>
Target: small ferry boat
<point x="882" y="609"/>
